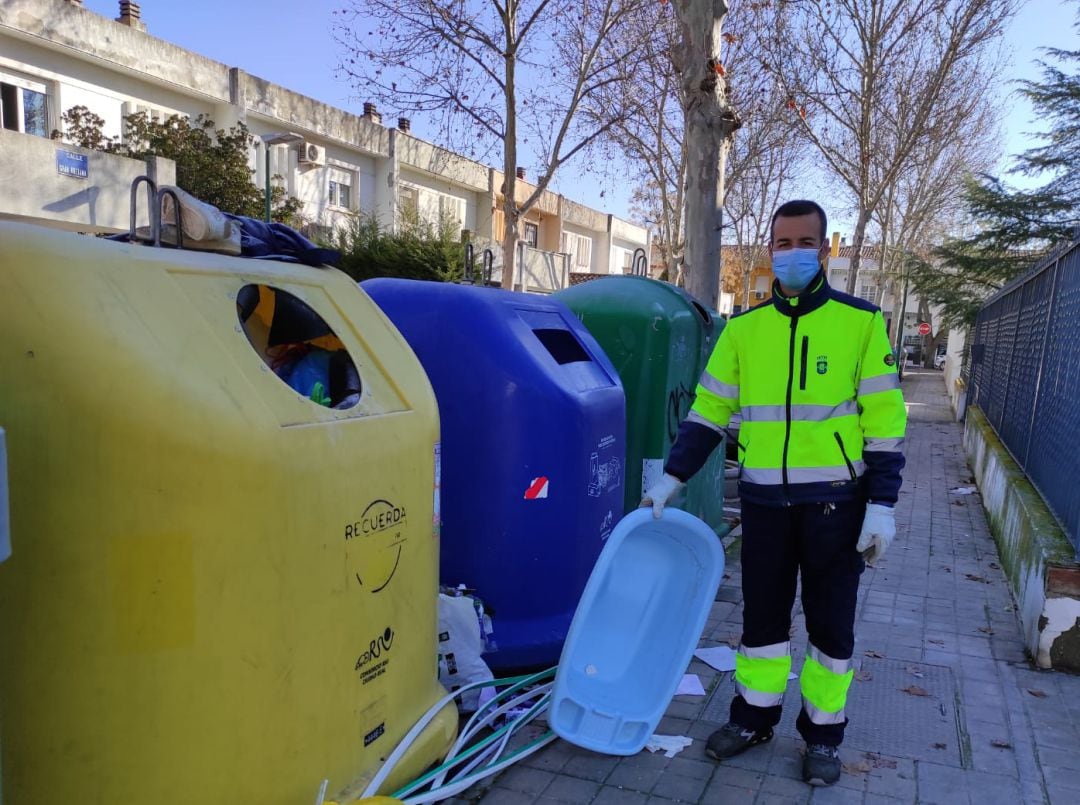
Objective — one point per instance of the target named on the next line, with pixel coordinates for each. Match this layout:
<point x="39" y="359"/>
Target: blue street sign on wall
<point x="68" y="163"/>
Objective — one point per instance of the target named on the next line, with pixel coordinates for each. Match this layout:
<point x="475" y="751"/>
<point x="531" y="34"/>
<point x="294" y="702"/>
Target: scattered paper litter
<point x="690" y="686"/>
<point x="964" y="490"/>
<point x="670" y="745"/>
<point x="722" y="658"/>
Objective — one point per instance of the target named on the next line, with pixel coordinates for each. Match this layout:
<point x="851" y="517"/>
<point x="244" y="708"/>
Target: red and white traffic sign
<point x="924" y="328"/>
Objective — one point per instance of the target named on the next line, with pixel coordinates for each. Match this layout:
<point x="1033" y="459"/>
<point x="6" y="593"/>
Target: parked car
<point x="939" y="358"/>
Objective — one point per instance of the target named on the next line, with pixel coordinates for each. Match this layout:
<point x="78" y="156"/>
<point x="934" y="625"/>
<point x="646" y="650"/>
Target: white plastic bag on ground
<point x="460" y="646"/>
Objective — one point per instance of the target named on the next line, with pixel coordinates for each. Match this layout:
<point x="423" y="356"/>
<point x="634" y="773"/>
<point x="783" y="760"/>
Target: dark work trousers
<point x="817" y="540"/>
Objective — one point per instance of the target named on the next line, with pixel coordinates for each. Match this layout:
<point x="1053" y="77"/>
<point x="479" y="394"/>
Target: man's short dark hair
<point x="793" y="209"/>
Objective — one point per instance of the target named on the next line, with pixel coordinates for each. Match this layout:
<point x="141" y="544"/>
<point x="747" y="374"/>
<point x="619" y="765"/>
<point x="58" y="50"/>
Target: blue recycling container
<point x="533" y="452"/>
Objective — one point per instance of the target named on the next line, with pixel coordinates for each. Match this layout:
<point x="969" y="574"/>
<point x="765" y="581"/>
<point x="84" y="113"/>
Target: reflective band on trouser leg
<point x="761" y="673"/>
<point x="824" y="682"/>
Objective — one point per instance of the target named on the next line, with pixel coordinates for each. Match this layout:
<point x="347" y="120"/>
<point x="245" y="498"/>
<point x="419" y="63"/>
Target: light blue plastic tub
<point x="635" y="630"/>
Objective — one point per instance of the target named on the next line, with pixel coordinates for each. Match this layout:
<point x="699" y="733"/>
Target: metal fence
<point x="1025" y="376"/>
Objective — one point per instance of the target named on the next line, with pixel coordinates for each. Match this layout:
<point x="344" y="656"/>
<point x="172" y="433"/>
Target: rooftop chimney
<point x="131" y="15"/>
<point x="520" y="173"/>
<point x="371" y="112"/>
<point x="403" y="124"/>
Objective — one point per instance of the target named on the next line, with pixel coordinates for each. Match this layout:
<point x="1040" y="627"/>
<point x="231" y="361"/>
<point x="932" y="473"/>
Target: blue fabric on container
<point x="280" y="242"/>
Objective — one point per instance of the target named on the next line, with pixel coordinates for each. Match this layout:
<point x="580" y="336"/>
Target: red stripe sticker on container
<point x="537" y="489"/>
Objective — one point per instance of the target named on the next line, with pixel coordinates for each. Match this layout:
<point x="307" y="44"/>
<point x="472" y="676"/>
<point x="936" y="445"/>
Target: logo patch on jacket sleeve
<point x="822" y="364"/>
<point x="890" y="359"/>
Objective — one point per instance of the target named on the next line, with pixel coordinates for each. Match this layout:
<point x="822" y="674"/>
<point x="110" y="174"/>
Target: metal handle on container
<point x="468" y="264"/>
<point x="153" y="214"/>
<point x="177" y="217"/>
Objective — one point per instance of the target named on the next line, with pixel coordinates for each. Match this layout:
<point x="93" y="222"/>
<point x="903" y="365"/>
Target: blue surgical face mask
<point x="795" y="267"/>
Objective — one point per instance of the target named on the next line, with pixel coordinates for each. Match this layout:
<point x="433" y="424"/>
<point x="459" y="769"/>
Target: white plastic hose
<point x="417" y="729"/>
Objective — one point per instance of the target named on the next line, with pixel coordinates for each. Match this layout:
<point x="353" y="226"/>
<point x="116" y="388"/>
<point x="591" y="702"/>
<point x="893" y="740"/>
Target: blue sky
<point x="289" y="43"/>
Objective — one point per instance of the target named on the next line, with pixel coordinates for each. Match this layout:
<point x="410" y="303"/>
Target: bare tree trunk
<point x="710" y="122"/>
<point x="857" y="239"/>
<point x="672" y="264"/>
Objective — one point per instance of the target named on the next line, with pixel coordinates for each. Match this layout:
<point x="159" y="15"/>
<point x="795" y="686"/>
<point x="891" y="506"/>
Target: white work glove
<point x="662" y="491"/>
<point x="878" y="530"/>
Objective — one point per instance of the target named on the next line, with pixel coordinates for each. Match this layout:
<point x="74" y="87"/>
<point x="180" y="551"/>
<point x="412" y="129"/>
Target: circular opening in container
<point x="299" y="346"/>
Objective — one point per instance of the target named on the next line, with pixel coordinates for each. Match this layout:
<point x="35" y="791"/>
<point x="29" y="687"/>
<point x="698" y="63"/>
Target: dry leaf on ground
<point x="986" y="630"/>
<point x="938" y="745"/>
<point x="973" y="577"/>
<point x="879" y="762"/>
<point x="936" y="642"/>
<point x="863" y="676"/>
<point x="1038" y="694"/>
<point x="862" y="767"/>
<point x="915" y="690"/>
<point x="875" y="654"/>
<point x="1000" y="744"/>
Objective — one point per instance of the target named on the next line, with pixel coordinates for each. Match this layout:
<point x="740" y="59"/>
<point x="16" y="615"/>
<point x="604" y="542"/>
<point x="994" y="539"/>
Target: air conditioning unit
<point x="311" y="154"/>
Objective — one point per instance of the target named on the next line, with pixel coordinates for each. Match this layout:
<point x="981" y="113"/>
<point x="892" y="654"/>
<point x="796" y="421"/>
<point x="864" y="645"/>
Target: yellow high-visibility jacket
<point x="814" y="379"/>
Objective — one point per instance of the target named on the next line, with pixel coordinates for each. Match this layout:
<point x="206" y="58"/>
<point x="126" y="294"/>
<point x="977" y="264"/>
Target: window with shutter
<point x="408" y="202"/>
<point x="532" y="233"/>
<point x="583" y="253"/>
<point x="452" y="211"/>
<point x="341" y="185"/>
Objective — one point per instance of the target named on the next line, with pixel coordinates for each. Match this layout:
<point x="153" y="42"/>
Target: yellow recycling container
<point x="219" y="589"/>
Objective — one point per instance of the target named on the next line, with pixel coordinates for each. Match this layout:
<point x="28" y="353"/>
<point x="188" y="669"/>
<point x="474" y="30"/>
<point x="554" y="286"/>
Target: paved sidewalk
<point x="945" y="708"/>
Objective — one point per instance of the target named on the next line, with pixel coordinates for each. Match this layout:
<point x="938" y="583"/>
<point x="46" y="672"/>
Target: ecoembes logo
<point x="376" y="648"/>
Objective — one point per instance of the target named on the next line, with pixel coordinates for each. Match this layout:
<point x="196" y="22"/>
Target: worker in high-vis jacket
<point x="813" y="376"/>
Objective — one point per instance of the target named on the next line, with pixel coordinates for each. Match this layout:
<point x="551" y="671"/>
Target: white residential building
<point x="55" y="54"/>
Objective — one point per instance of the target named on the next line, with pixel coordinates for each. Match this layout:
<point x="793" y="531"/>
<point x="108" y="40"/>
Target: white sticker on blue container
<point x="652" y="470"/>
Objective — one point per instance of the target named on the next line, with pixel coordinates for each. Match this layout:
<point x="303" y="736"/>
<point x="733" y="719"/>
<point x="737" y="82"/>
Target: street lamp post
<point x="277" y="138"/>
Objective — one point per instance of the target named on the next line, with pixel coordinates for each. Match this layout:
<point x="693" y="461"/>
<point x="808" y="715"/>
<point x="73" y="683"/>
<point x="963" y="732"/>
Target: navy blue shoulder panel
<point x="852" y="301"/>
<point x="764" y="305"/>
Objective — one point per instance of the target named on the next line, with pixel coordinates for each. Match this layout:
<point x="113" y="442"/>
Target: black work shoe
<point x="734" y="739"/>
<point x="821" y="765"/>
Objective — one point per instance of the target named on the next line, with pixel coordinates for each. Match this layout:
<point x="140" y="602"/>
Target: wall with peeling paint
<point x="1035" y="553"/>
